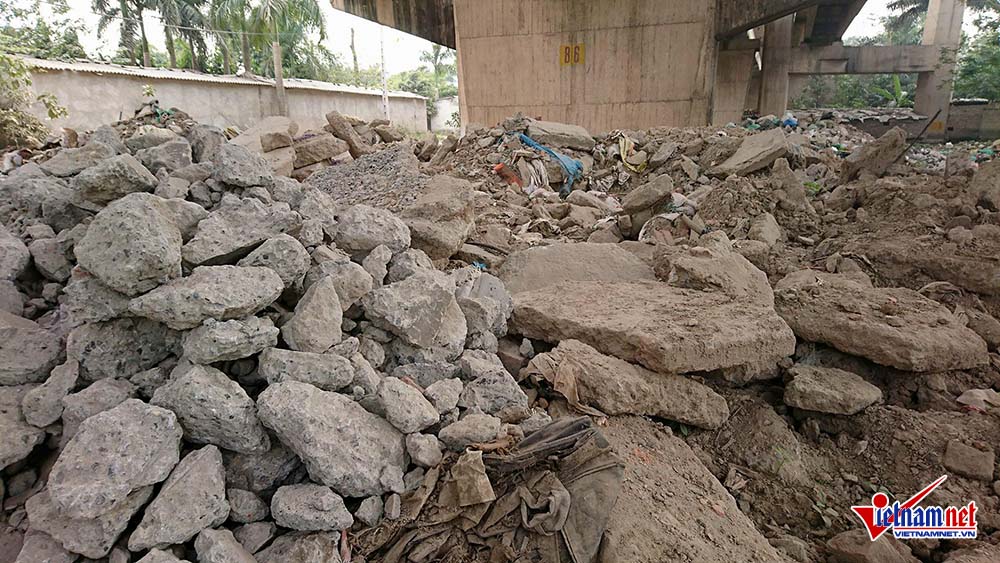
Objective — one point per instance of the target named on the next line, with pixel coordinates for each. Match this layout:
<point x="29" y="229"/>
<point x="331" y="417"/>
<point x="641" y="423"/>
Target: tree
<point x="420" y="82"/>
<point x="235" y="15"/>
<point x="442" y="61"/>
<point x="18" y="127"/>
<point x="23" y="33"/>
<point x="132" y="29"/>
<point x="978" y="74"/>
<point x="270" y="16"/>
<point x="180" y="16"/>
<point x="909" y="11"/>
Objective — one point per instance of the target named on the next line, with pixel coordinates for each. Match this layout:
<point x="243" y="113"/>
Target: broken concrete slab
<point x="317" y="424"/>
<point x="543" y="266"/>
<point x="340" y="127"/>
<point x="756" y="152"/>
<point x="316" y="324"/>
<point x="90" y="537"/>
<point x="235" y="228"/>
<point x="20" y="438"/>
<point x="319" y="147"/>
<point x="120" y="347"/>
<point x="413" y="309"/>
<point x="192" y="498"/>
<point x="43" y="405"/>
<point x="69" y="162"/>
<point x="217" y="292"/>
<point x="113" y="454"/>
<point x="405" y="407"/>
<point x="666" y="329"/>
<point x="132" y="245"/>
<point x="28" y="352"/>
<point x="237" y="166"/>
<point x="875" y="157"/>
<point x="220" y="546"/>
<point x="616" y="387"/>
<point x="283" y="254"/>
<point x="442" y="217"/>
<point x="114" y="178"/>
<point x="968" y="461"/>
<point x="361" y="228"/>
<point x="561" y="135"/>
<point x="14" y="255"/>
<point x="101" y="396"/>
<point x="894" y="327"/>
<point x="329" y="372"/>
<point x="217" y="341"/>
<point x="829" y="390"/>
<point x="309" y="507"/>
<point x="171" y="155"/>
<point x="213" y="409"/>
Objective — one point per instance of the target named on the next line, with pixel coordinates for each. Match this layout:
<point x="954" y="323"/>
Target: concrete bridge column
<point x="777" y="58"/>
<point x="943" y="29"/>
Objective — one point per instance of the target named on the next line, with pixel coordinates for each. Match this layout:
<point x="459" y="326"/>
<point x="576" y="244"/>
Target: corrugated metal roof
<point x="179" y="74"/>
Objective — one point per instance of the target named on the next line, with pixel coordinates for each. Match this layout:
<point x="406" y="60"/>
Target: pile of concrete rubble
<point x="260" y="348"/>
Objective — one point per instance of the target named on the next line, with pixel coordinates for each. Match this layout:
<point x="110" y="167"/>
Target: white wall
<point x="94" y="99"/>
<point x="445" y="107"/>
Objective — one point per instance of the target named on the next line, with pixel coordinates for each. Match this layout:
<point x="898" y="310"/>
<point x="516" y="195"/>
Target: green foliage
<point x="897" y="97"/>
<point x="18" y="127"/>
<point x="433" y="83"/>
<point x="978" y="73"/>
<point x="23" y="33"/>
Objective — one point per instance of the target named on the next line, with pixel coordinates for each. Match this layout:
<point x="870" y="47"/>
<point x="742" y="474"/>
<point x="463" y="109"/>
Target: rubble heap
<point x="347" y="345"/>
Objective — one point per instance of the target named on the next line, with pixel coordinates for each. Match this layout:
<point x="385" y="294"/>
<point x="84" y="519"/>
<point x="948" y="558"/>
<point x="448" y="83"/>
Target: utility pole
<point x="385" y="78"/>
<point x="279" y="83"/>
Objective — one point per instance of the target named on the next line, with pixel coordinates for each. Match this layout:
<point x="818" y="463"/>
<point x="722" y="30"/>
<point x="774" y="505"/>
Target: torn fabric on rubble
<point x="572" y="167"/>
<point x="547" y="500"/>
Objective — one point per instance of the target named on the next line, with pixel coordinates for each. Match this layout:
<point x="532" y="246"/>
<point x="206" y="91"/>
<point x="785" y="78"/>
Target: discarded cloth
<point x="572" y="167"/>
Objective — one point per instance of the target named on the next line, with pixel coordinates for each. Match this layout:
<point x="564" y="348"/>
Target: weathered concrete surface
<point x="343" y="446"/>
<point x="666" y="329"/>
<point x="895" y="327"/>
<point x="829" y="390"/>
<point x="539" y="267"/>
<point x="617" y="387"/>
<point x="757" y="152"/>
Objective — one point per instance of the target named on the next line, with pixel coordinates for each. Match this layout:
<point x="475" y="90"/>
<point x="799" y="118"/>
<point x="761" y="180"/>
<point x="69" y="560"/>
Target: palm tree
<point x="235" y="15"/>
<point x="442" y="64"/>
<point x="180" y="16"/>
<point x="271" y="16"/>
<point x="129" y="13"/>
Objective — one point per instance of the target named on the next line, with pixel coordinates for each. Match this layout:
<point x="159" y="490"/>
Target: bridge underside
<point x="640" y="63"/>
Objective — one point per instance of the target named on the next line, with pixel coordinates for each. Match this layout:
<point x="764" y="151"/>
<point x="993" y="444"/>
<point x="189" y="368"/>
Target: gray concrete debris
<point x="28" y="352"/>
<point x="255" y="535"/>
<point x="309" y="546"/>
<point x="413" y="309"/>
<point x="237" y="166"/>
<point x="376" y="264"/>
<point x="220" y="546"/>
<point x="20" y="438"/>
<point x="369" y="512"/>
<point x="283" y="254"/>
<point x="829" y="390"/>
<point x="91" y="537"/>
<point x="405" y="407"/>
<point x="474" y="428"/>
<point x="246" y="507"/>
<point x="216" y="341"/>
<point x="14" y="255"/>
<point x="442" y="217"/>
<point x="329" y="371"/>
<point x="40" y="547"/>
<point x="132" y="245"/>
<point x="69" y="162"/>
<point x="316" y="424"/>
<point x="350" y="279"/>
<point x="113" y="454"/>
<point x="424" y="449"/>
<point x="407" y="263"/>
<point x="160" y="556"/>
<point x="213" y="409"/>
<point x="444" y="394"/>
<point x="361" y="228"/>
<point x="113" y="178"/>
<point x="210" y="292"/>
<point x="260" y="472"/>
<point x="315" y="325"/>
<point x="192" y="498"/>
<point x="171" y="155"/>
<point x="756" y="152"/>
<point x="561" y="135"/>
<point x="120" y="347"/>
<point x="101" y="396"/>
<point x="43" y="405"/>
<point x="236" y="227"/>
<point x="149" y="137"/>
<point x="309" y="508"/>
